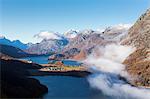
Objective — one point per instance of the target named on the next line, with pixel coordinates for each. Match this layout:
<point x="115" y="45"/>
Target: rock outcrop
<point x="139" y="33"/>
<point x="47" y="46"/>
<point x="138" y="63"/>
<point x="83" y="44"/>
<point x="116" y="33"/>
<point x="81" y="56"/>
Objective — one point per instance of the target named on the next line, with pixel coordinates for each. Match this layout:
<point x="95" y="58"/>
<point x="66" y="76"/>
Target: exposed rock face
<point x="138" y="63"/>
<point x="81" y="56"/>
<point x="47" y="46"/>
<point x="65" y="55"/>
<point x="70" y="34"/>
<point x="84" y="44"/>
<point x="86" y="41"/>
<point x="139" y="34"/>
<point x="71" y="52"/>
<point x="116" y="33"/>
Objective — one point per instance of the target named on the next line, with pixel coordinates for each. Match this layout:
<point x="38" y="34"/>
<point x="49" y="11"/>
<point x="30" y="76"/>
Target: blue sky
<point x="22" y="19"/>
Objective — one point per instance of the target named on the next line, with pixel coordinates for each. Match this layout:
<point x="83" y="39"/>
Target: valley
<point x="108" y="63"/>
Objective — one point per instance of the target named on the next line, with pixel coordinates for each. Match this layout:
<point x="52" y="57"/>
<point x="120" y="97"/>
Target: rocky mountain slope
<point x="86" y="41"/>
<point x="71" y="34"/>
<point x="138" y="63"/>
<point x="116" y="32"/>
<point x="47" y="46"/>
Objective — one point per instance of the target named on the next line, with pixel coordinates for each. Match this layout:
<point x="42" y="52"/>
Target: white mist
<point x="109" y="66"/>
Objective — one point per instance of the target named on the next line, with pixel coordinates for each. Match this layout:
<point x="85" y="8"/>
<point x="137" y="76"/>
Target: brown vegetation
<point x="139" y="67"/>
<point x="138" y="63"/>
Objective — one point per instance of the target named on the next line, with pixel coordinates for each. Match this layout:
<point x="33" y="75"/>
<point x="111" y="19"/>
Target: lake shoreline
<point x="84" y="72"/>
<point x="67" y="73"/>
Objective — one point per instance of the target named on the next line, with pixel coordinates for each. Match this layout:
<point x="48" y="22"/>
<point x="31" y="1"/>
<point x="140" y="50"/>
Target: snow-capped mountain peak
<point x="118" y="28"/>
<point x="87" y="31"/>
<point x="71" y="33"/>
<point x="49" y="35"/>
<point x="2" y="36"/>
<point x="116" y="32"/>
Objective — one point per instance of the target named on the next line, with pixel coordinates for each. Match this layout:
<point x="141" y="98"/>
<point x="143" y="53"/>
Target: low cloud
<point x="111" y="85"/>
<point x="48" y="35"/>
<point x="122" y="26"/>
<point x="1" y="35"/>
<point x="111" y="58"/>
<point x="108" y="67"/>
<point x="72" y="33"/>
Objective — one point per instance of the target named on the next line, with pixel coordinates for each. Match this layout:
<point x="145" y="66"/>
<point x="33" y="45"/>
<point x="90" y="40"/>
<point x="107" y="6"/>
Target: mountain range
<point x="78" y="45"/>
<point x="56" y="43"/>
<point x="47" y="46"/>
<point x="82" y="43"/>
<point x="14" y="43"/>
<point x="138" y="36"/>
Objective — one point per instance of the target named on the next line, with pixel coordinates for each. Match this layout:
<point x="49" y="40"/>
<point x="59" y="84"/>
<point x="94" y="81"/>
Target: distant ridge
<point x="15" y="43"/>
<point x="13" y="51"/>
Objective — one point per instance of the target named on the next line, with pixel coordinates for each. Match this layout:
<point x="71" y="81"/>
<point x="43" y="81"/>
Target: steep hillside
<point x="116" y="33"/>
<point x="82" y="44"/>
<point x="88" y="40"/>
<point x="139" y="33"/>
<point x="13" y="51"/>
<point x="15" y="83"/>
<point x="47" y="46"/>
<point x="138" y="63"/>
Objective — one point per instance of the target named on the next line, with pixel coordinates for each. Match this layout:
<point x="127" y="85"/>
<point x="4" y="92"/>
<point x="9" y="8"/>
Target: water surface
<point x="44" y="60"/>
<point x="67" y="87"/>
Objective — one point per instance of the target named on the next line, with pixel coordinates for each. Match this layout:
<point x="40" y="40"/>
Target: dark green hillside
<point x="15" y="82"/>
<point x="13" y="51"/>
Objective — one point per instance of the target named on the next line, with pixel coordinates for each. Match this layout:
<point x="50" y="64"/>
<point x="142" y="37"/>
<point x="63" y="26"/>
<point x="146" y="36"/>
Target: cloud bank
<point x="72" y="33"/>
<point x="48" y="35"/>
<point x="109" y="66"/>
<point x="1" y="36"/>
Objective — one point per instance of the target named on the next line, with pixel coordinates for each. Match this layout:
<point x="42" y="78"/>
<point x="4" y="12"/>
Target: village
<point x="60" y="67"/>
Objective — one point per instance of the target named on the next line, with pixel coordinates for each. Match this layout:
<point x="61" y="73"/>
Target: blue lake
<point x="44" y="60"/>
<point x="66" y="87"/>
